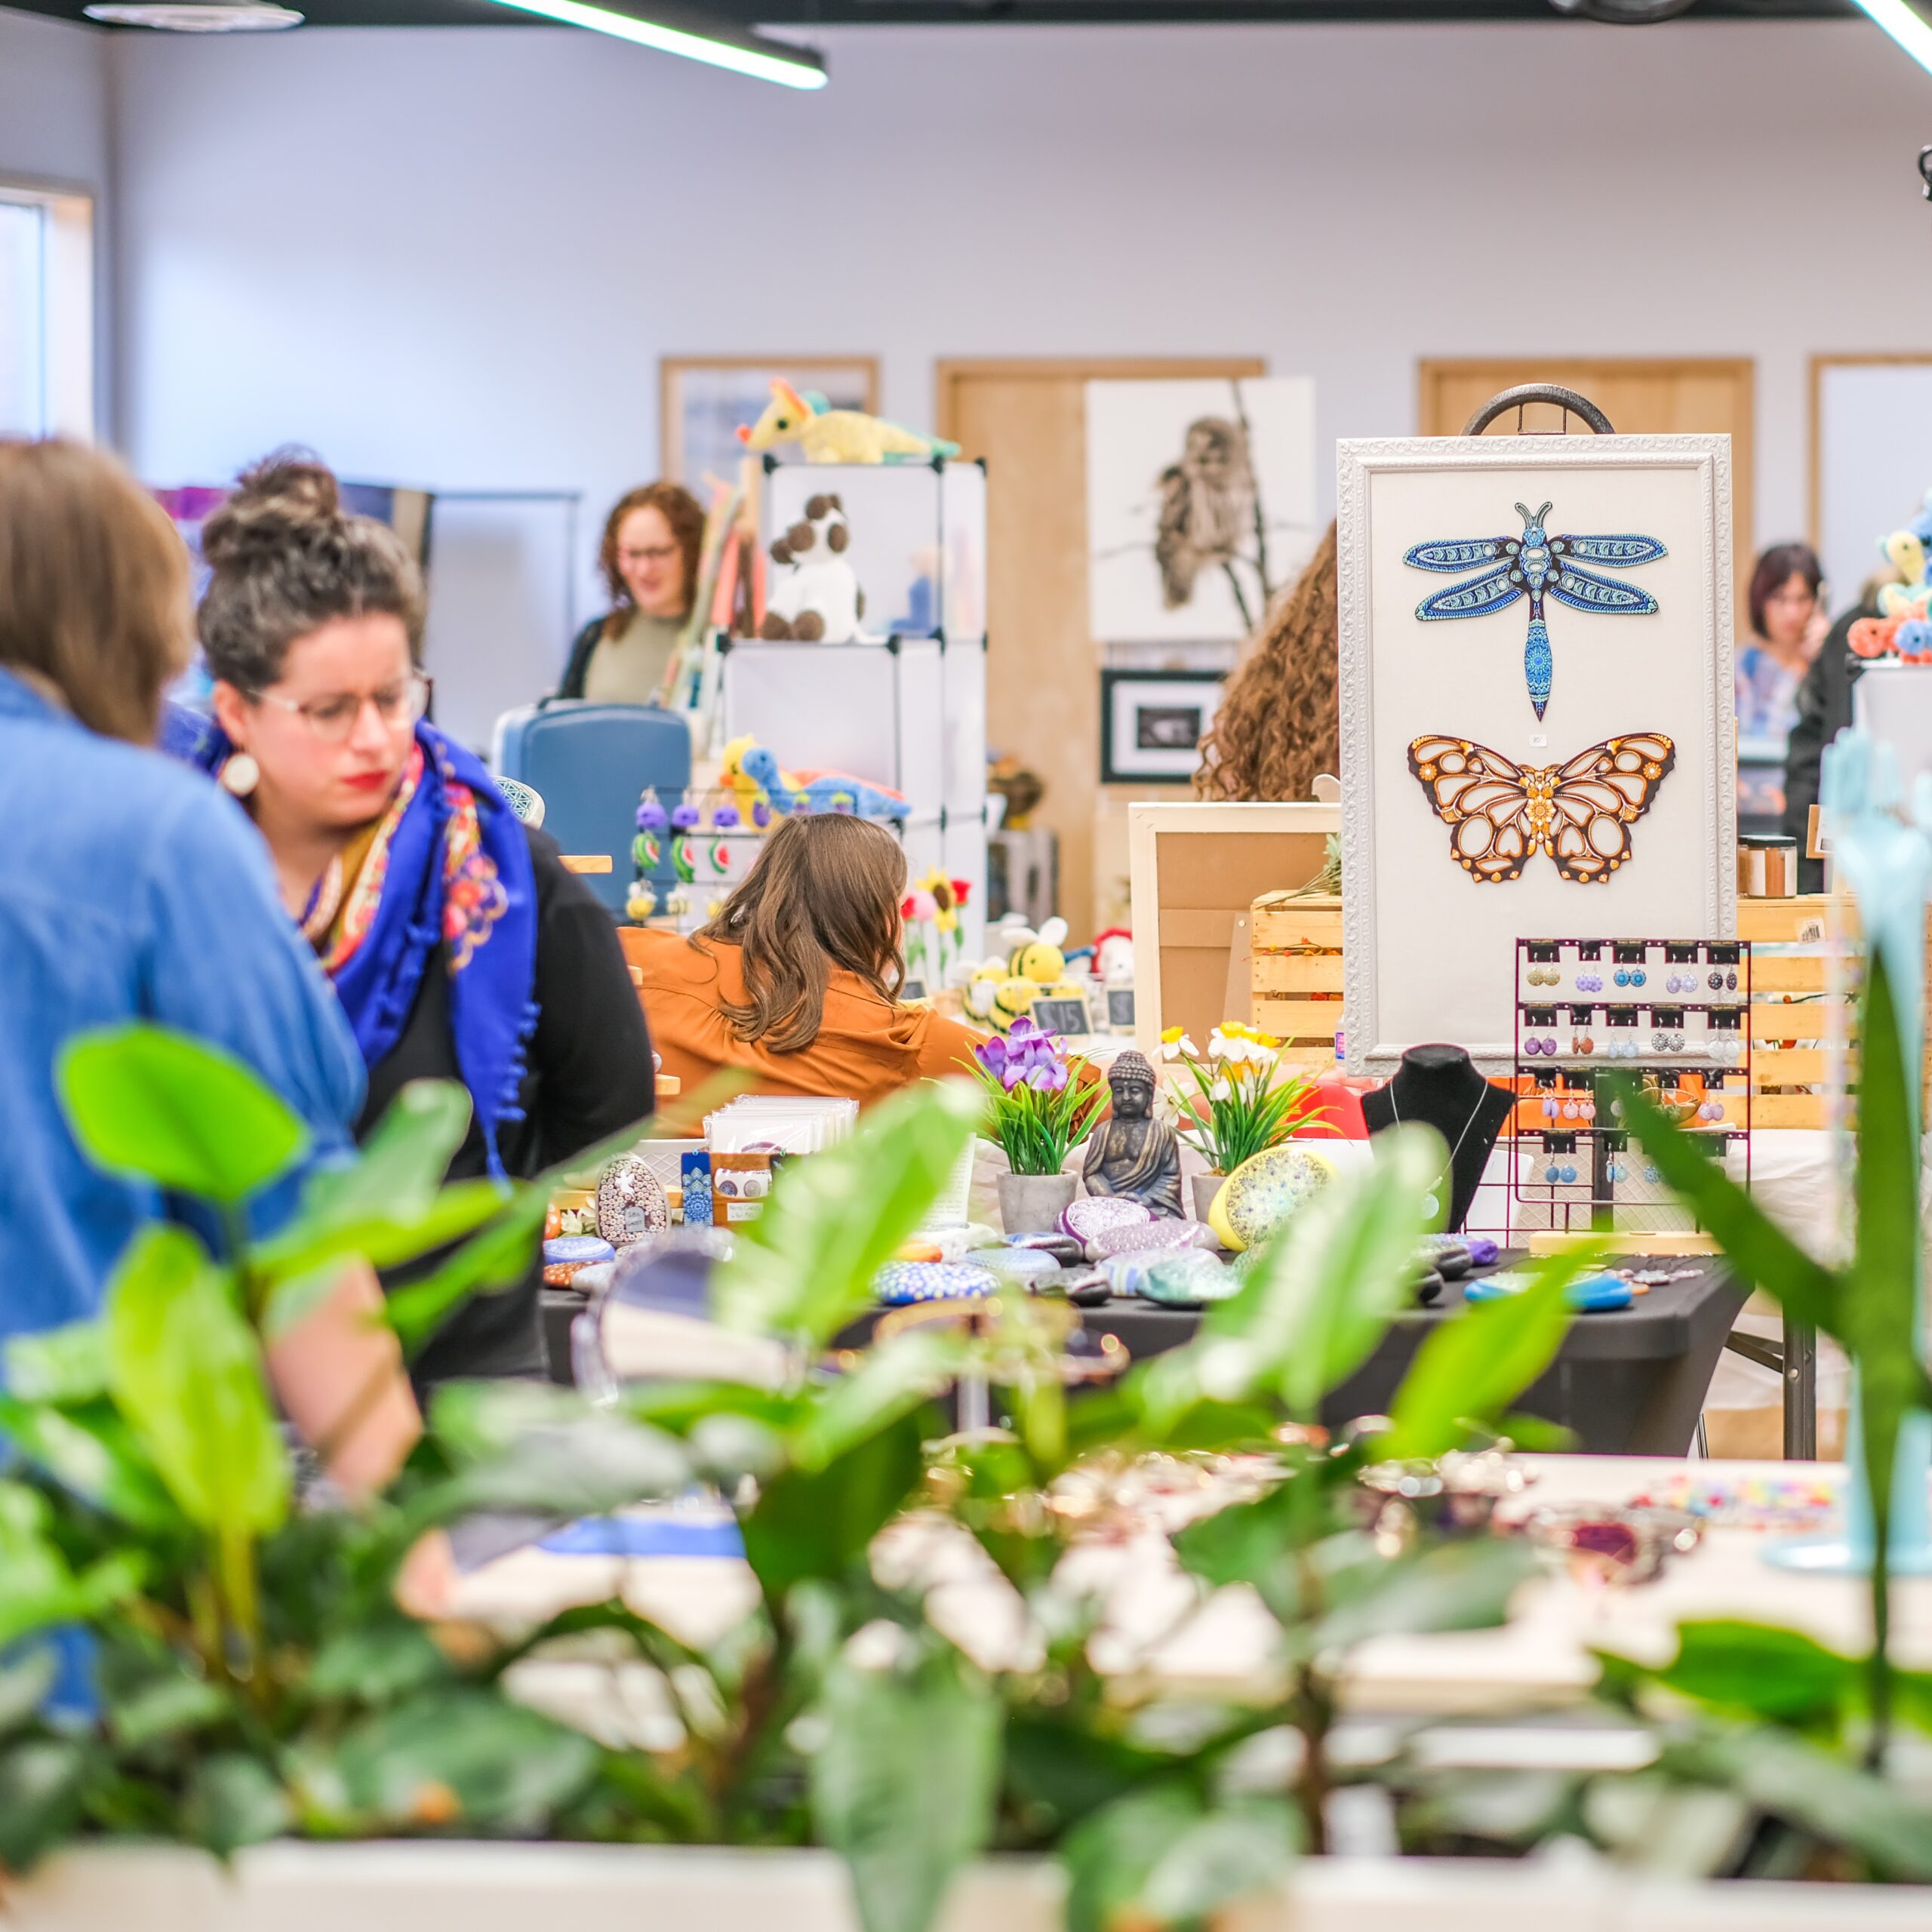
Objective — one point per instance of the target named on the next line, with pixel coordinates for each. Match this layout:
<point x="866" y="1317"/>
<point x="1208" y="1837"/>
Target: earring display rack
<point x="1674" y="1015"/>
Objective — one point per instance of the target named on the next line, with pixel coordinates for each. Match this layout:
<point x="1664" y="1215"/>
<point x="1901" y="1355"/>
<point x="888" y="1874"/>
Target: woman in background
<point x="795" y="980"/>
<point x="1788" y="624"/>
<point x="649" y="556"/>
<point x="459" y="947"/>
<point x="1279" y="727"/>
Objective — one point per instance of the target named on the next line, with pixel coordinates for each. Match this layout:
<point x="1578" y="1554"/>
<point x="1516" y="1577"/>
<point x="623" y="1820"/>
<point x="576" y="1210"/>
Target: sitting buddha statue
<point x="1134" y="1155"/>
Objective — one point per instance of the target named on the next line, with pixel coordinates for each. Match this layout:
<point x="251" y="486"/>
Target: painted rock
<point x="1265" y="1193"/>
<point x="1188" y="1279"/>
<point x="1087" y="1216"/>
<point x="1016" y="1264"/>
<point x="1064" y="1248"/>
<point x="900" y="1283"/>
<point x="631" y="1202"/>
<point x="1149" y="1237"/>
<point x="565" y="1256"/>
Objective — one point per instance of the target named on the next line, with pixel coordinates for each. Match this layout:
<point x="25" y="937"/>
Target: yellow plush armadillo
<point x="836" y="435"/>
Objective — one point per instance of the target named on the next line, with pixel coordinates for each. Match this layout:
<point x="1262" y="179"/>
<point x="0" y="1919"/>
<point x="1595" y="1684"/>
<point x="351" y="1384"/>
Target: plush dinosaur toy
<point x="836" y="435"/>
<point x="1903" y="630"/>
<point x="807" y="792"/>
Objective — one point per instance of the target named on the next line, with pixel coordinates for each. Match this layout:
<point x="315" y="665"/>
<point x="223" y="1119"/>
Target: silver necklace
<point x="1432" y="1203"/>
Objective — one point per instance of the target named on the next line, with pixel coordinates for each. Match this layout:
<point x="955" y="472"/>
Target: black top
<point x="1824" y="710"/>
<point x="1439" y="1086"/>
<point x="583" y="647"/>
<point x="589" y="1074"/>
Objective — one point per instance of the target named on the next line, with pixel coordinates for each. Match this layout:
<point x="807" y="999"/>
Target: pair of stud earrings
<point x="1628" y="976"/>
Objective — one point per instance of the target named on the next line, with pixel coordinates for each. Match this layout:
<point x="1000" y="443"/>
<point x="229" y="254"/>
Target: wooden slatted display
<point x="1296" y="977"/>
<point x="1799" y="1003"/>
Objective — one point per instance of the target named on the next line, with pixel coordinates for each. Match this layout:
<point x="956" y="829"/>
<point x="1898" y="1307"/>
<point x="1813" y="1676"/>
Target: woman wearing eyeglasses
<point x="459" y="947"/>
<point x="649" y="557"/>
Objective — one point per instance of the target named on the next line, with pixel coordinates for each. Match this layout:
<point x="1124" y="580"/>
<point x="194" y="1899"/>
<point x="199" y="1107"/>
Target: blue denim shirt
<point x="132" y="888"/>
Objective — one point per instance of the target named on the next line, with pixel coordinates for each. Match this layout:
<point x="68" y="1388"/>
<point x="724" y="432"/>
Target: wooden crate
<point x="1800" y="1004"/>
<point x="1296" y="977"/>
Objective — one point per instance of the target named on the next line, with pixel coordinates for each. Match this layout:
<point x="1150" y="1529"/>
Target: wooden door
<point x="1642" y="396"/>
<point x="1028" y="419"/>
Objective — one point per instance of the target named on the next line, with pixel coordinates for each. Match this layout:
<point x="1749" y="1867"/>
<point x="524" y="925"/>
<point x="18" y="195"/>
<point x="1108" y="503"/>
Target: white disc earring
<point x="241" y="775"/>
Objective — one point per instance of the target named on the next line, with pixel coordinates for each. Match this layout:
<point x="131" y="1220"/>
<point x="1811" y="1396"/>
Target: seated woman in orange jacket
<point x="795" y="979"/>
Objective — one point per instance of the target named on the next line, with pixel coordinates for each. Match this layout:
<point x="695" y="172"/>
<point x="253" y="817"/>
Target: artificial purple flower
<point x="992" y="1054"/>
<point x="1049" y="1078"/>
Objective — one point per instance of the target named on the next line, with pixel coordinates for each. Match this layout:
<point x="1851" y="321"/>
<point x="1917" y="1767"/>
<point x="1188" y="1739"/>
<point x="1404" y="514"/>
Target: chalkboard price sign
<point x="1061" y="1016"/>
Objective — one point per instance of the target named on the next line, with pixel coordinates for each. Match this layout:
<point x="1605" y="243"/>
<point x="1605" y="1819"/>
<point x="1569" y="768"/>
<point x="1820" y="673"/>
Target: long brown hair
<point x="94" y="585"/>
<point x="682" y="511"/>
<point x="285" y="558"/>
<point x="1277" y="726"/>
<point x="825" y="892"/>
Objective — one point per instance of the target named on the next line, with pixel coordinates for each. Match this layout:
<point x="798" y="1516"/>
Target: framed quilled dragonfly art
<point x="1471" y="818"/>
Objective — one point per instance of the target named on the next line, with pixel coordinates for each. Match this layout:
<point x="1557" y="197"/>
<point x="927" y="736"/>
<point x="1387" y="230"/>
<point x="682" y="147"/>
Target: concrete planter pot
<point x="1206" y="1186"/>
<point x="404" y="1888"/>
<point x="1032" y="1203"/>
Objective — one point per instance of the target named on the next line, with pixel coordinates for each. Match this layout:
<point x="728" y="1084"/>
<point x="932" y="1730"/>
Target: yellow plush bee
<point x="997" y="998"/>
<point x="1037" y="955"/>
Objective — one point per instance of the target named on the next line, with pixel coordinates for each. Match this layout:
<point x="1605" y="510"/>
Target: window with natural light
<point x="46" y="313"/>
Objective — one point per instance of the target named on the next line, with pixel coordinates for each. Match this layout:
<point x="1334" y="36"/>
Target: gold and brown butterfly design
<point x="1501" y="813"/>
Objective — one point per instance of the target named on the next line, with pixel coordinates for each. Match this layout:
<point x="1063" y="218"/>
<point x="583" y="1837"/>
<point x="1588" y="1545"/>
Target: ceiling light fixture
<point x="196" y="16"/>
<point x="1906" y="27"/>
<point x="762" y="60"/>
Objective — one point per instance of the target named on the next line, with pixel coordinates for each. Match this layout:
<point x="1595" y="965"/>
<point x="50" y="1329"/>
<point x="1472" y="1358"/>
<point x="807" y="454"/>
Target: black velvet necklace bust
<point x="1439" y="1086"/>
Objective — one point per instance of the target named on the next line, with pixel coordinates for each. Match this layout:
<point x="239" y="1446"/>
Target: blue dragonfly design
<point x="1535" y="565"/>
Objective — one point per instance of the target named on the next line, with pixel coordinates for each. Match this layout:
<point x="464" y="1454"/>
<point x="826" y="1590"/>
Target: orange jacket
<point x="867" y="1047"/>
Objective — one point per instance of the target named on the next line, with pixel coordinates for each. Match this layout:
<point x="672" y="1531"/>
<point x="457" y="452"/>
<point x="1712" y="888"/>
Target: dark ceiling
<point x="796" y="13"/>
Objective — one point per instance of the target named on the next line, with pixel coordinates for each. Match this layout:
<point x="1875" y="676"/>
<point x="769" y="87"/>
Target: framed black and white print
<point x="1152" y="723"/>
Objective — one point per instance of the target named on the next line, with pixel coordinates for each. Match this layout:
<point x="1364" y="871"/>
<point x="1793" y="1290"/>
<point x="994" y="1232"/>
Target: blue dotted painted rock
<point x="1018" y="1264"/>
<point x="900" y="1283"/>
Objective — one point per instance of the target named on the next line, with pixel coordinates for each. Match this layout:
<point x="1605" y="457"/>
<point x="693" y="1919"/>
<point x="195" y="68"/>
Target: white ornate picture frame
<point x="1427" y="948"/>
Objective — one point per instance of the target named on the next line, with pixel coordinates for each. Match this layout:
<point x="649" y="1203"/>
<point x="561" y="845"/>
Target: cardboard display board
<point x="1196" y="870"/>
<point x="1427" y="942"/>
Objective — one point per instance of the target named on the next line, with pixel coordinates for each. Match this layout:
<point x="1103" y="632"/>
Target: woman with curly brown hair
<point x="1277" y="726"/>
<point x="653" y="540"/>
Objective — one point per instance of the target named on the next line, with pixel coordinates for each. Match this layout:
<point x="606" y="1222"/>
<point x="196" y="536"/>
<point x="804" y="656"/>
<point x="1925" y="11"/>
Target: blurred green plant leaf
<point x="187" y="1374"/>
<point x="391" y="1657"/>
<point x="26" y="1678"/>
<point x="1062" y="1762"/>
<point x="91" y="1451"/>
<point x="1762" y="1254"/>
<point x="1252" y="1542"/>
<point x="234" y="1800"/>
<point x="1756" y="1669"/>
<point x="894" y="1380"/>
<point x="902" y="1786"/>
<point x="65" y="1364"/>
<point x="144" y="1100"/>
<point x="804" y="1267"/>
<point x="498" y="1258"/>
<point x="1163" y="1855"/>
<point x="1461" y="1585"/>
<point x="1471" y="1367"/>
<point x="42" y="1782"/>
<point x="149" y="1694"/>
<point x="38" y="1587"/>
<point x="457" y="1761"/>
<point x="812" y="1524"/>
<point x="397" y="1173"/>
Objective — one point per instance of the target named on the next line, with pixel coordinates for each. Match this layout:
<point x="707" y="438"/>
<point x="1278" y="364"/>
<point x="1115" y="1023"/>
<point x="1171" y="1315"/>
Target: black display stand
<point x="1438" y="1085"/>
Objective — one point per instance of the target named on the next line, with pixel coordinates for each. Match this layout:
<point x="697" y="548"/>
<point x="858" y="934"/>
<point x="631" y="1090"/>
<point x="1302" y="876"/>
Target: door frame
<point x="1821" y="361"/>
<point x="948" y="371"/>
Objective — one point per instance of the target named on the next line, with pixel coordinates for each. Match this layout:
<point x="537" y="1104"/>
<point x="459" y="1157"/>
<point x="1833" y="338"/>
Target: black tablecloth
<point x="1629" y="1381"/>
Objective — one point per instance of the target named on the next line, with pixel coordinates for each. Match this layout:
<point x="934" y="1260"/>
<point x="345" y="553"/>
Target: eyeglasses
<point x="658" y="553"/>
<point x="333" y="718"/>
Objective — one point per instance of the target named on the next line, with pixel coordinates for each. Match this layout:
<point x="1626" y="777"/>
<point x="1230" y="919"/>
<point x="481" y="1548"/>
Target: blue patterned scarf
<point x="449" y="868"/>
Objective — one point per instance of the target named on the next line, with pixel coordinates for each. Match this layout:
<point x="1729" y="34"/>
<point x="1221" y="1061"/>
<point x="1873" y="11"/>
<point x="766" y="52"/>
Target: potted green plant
<point x="1038" y="1109"/>
<point x="1233" y="1102"/>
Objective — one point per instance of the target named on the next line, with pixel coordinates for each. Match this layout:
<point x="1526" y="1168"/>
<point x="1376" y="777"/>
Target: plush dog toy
<point x="818" y="600"/>
<point x="836" y="435"/>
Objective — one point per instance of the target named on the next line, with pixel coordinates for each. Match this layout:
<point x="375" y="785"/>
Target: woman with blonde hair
<point x="1279" y="727"/>
<point x="796" y="979"/>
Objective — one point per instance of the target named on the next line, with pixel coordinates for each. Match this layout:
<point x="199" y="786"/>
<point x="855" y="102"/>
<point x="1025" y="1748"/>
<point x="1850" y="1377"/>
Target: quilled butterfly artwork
<point x="1535" y="565"/>
<point x="1501" y="815"/>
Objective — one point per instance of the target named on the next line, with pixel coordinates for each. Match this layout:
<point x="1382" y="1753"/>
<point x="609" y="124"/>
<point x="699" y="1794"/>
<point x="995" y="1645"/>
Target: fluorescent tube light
<point x="1906" y="27"/>
<point x="790" y="67"/>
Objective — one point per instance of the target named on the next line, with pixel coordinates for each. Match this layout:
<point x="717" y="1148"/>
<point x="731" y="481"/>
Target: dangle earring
<point x="240" y="775"/>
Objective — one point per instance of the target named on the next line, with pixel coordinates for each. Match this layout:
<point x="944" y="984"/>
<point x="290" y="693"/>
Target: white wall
<point x="453" y="258"/>
<point x="56" y="131"/>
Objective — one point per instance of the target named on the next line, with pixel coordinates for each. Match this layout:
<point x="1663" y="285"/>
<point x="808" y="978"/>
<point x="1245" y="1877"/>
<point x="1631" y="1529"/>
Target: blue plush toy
<point x="821" y="791"/>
